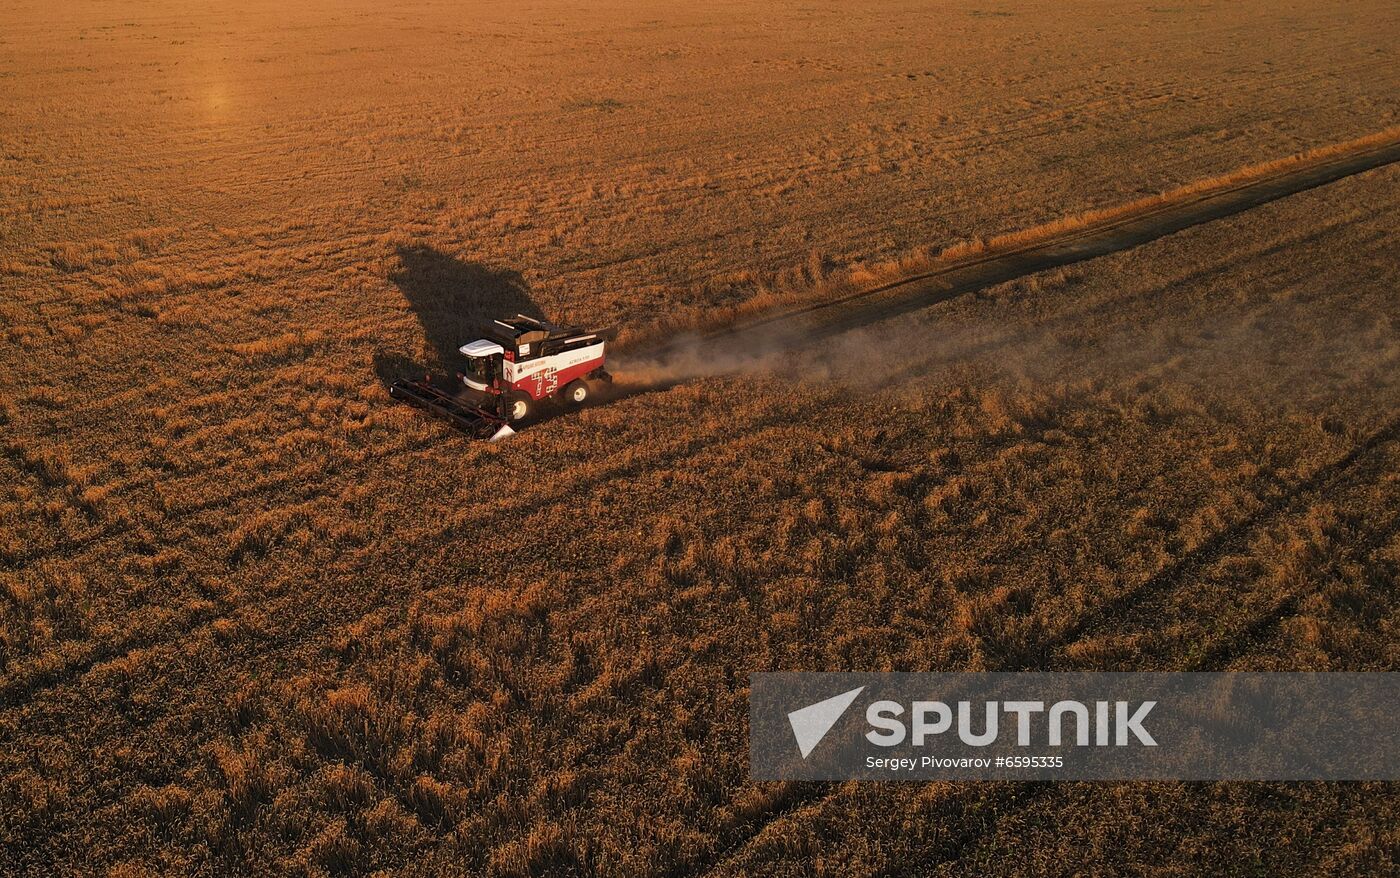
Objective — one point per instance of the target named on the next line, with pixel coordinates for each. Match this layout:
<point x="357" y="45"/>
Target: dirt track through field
<point x="829" y="318"/>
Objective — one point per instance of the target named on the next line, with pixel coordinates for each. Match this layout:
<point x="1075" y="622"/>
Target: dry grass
<point x="255" y="618"/>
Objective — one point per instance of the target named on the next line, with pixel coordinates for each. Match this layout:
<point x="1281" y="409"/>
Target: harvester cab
<point x="520" y="363"/>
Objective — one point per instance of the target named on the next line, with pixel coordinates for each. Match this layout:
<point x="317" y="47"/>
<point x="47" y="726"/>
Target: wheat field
<point x="255" y="617"/>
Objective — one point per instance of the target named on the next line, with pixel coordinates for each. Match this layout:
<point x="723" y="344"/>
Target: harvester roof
<point x="482" y="347"/>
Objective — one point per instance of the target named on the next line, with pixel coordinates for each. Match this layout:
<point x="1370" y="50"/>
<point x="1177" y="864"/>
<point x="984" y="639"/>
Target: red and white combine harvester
<point x="520" y="362"/>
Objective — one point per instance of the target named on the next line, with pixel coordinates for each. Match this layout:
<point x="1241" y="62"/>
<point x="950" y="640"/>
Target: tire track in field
<point x="1368" y="537"/>
<point x="1233" y="536"/>
<point x="823" y="320"/>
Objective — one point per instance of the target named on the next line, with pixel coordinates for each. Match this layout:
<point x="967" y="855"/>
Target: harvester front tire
<point x="576" y="393"/>
<point x="519" y="406"/>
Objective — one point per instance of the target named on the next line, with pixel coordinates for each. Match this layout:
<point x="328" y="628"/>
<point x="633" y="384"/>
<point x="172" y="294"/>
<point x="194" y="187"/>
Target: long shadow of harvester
<point x="454" y="301"/>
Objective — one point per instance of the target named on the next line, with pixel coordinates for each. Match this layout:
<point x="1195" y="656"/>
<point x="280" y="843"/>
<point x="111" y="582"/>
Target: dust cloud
<point x="1228" y="351"/>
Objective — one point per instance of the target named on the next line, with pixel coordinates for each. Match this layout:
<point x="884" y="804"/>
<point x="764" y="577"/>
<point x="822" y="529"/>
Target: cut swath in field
<point x="1085" y="235"/>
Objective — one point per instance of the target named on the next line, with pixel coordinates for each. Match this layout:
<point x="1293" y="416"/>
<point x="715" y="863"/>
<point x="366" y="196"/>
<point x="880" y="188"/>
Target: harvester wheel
<point x="576" y="393"/>
<point x="518" y="406"/>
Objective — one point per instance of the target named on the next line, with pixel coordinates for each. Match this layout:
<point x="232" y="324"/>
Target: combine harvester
<point x="522" y="362"/>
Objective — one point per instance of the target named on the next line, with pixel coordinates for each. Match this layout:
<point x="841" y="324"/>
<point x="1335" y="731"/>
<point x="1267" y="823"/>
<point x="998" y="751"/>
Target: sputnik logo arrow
<point x="811" y="723"/>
